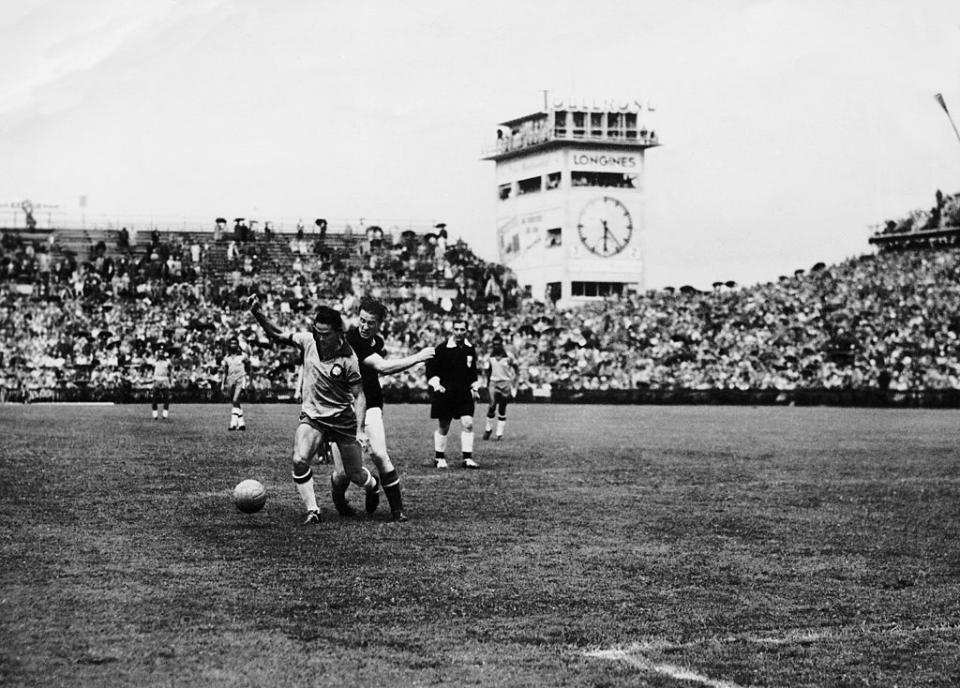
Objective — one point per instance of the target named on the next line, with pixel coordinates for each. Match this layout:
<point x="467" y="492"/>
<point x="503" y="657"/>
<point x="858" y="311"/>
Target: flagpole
<point x="939" y="98"/>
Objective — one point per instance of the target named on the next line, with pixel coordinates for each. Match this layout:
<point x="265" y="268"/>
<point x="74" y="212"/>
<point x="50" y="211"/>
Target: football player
<point x="235" y="368"/>
<point x="501" y="372"/>
<point x="368" y="344"/>
<point x="162" y="381"/>
<point x="332" y="403"/>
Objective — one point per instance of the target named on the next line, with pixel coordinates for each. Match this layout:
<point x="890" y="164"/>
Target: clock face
<point x="605" y="226"/>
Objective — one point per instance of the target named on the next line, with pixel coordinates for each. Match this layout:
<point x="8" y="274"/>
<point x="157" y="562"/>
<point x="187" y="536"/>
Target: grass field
<point x="598" y="546"/>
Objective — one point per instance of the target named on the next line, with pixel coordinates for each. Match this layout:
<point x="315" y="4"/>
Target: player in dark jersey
<point x="452" y="375"/>
<point x="368" y="344"/>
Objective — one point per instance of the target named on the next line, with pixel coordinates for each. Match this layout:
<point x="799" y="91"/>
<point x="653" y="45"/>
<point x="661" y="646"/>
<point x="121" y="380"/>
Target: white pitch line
<point x="633" y="654"/>
<point x="679" y="673"/>
<point x="72" y="403"/>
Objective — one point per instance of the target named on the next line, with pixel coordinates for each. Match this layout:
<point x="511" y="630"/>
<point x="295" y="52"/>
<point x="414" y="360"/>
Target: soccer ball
<point x="249" y="496"/>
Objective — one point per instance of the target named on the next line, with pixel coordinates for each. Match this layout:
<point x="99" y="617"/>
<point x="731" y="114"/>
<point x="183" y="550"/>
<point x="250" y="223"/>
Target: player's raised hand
<point x="427" y="353"/>
<point x="251" y="302"/>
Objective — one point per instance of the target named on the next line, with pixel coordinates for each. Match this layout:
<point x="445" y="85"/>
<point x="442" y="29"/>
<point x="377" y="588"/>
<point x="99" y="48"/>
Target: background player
<point x="162" y="381"/>
<point x="332" y="401"/>
<point x="452" y="375"/>
<point x="369" y="346"/>
<point x="233" y="384"/>
<point x="501" y="372"/>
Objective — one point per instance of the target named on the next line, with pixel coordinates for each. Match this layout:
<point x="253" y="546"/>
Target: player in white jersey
<point x="332" y="403"/>
<point x="501" y="373"/>
<point x="233" y="382"/>
<point x="162" y="381"/>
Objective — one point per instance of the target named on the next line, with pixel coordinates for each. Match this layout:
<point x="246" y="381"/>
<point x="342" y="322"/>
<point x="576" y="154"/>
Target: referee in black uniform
<point x="452" y="377"/>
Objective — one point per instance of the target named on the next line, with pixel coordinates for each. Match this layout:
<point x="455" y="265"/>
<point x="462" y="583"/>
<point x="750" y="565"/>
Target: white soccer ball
<point x="249" y="496"/>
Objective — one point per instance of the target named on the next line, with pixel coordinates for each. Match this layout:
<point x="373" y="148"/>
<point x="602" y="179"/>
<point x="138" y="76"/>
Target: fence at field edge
<point x="868" y="397"/>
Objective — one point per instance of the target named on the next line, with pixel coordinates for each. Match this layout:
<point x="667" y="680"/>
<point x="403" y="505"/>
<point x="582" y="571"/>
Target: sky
<point x="788" y="128"/>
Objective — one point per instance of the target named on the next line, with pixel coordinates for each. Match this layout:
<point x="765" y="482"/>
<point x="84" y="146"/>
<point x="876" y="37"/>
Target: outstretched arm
<point x="386" y="366"/>
<point x="270" y="328"/>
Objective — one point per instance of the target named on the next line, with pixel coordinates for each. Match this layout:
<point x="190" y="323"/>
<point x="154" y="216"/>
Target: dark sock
<point x="391" y="486"/>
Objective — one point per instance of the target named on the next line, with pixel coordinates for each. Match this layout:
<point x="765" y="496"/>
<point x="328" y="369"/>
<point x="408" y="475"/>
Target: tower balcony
<point x="521" y="142"/>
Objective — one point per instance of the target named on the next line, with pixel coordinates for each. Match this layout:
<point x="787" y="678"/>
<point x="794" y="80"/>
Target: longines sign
<point x="601" y="105"/>
<point x="623" y="161"/>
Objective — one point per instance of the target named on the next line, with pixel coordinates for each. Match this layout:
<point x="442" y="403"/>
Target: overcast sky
<point x="788" y="127"/>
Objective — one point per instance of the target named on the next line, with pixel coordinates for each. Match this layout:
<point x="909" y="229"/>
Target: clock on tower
<point x="605" y="226"/>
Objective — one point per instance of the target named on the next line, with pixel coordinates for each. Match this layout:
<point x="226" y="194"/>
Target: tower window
<point x="596" y="124"/>
<point x="615" y="180"/>
<point x="531" y="185"/>
<point x="579" y="124"/>
<point x="596" y="289"/>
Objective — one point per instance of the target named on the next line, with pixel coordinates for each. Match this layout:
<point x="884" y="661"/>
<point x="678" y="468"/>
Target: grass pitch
<point x="597" y="546"/>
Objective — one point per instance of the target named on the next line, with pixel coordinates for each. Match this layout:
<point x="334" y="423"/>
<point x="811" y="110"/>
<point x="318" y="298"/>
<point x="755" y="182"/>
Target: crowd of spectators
<point x="93" y="322"/>
<point x="944" y="213"/>
<point x="889" y="320"/>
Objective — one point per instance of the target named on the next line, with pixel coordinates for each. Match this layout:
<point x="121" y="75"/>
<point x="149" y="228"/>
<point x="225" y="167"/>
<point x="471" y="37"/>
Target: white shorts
<point x="375" y="431"/>
<point x="373" y="421"/>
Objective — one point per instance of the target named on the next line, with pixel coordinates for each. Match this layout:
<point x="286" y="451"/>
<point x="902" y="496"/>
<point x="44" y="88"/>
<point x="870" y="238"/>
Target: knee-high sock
<point x="391" y="486"/>
<point x="305" y="490"/>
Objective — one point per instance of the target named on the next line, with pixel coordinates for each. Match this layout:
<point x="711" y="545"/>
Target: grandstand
<point x="938" y="226"/>
<point x="81" y="313"/>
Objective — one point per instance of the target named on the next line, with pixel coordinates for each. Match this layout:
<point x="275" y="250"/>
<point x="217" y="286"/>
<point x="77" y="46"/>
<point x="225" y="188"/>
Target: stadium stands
<point x="80" y="316"/>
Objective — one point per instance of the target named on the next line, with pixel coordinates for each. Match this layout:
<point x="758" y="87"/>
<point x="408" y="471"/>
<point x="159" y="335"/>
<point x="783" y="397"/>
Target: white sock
<point x="489" y="425"/>
<point x="233" y="418"/>
<point x="370" y="483"/>
<point x="307" y="495"/>
<point x="166" y="414"/>
<point x="501" y="424"/>
<point x="240" y="422"/>
<point x="439" y="441"/>
<point x="466" y="441"/>
<point x="154" y="414"/>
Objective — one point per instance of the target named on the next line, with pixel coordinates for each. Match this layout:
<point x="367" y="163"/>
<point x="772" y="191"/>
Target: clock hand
<point x="615" y="239"/>
<point x="606" y="232"/>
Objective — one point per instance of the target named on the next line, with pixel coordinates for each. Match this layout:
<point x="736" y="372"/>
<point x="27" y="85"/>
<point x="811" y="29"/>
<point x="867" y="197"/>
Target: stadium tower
<point x="570" y="197"/>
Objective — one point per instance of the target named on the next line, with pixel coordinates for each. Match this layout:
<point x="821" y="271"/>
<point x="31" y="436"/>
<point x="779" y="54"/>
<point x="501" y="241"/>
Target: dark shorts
<point x="447" y="406"/>
<point x="501" y="389"/>
<point x="499" y="399"/>
<point x="336" y="429"/>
